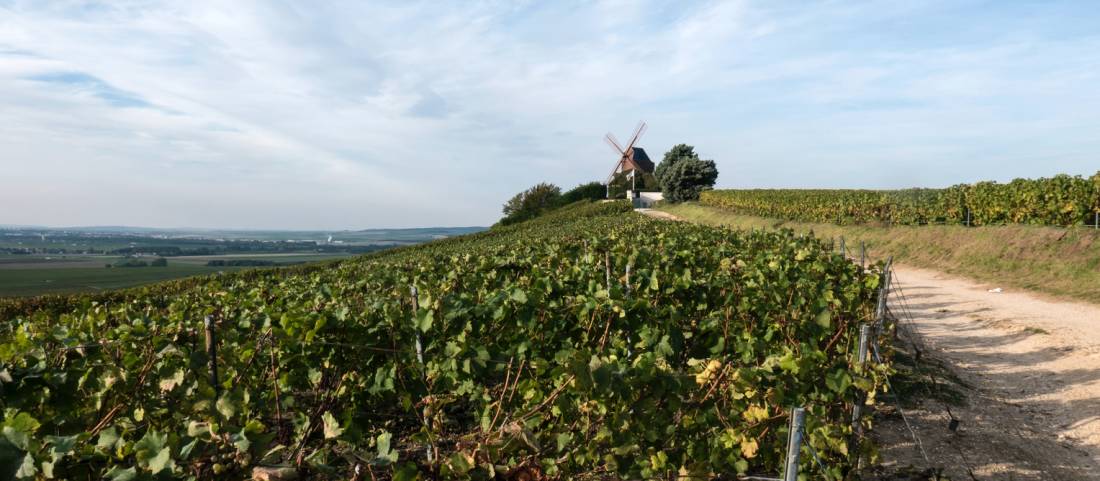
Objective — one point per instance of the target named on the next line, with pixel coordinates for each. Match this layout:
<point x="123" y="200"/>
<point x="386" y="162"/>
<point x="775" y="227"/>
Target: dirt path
<point x="1030" y="370"/>
<point x="1027" y="370"/>
<point x="657" y="214"/>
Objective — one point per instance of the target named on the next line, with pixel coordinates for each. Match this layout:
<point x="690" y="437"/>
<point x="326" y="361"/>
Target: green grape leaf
<point x="386" y="455"/>
<point x="121" y="474"/>
<point x="519" y="296"/>
<point x="332" y="426"/>
<point x="425" y="320"/>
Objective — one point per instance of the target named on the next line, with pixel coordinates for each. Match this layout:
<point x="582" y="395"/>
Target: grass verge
<point x="1062" y="262"/>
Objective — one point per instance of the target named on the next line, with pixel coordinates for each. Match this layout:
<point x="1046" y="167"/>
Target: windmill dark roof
<point x="642" y="160"/>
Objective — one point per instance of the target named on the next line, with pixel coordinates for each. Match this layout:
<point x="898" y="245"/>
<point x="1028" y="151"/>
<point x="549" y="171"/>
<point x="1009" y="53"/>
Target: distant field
<point x="149" y="240"/>
<point x="288" y="258"/>
<point x="40" y="260"/>
<point x="35" y="275"/>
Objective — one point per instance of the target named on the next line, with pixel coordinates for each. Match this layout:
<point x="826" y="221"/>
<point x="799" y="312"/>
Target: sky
<point x="352" y="115"/>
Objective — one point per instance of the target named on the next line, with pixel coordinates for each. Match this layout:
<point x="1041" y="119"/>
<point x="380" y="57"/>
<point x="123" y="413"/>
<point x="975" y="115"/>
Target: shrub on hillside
<point x="531" y="203"/>
<point x="590" y="191"/>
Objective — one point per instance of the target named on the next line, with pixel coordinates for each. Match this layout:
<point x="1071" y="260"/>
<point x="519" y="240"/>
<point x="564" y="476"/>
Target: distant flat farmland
<point x="45" y="260"/>
<point x="22" y="276"/>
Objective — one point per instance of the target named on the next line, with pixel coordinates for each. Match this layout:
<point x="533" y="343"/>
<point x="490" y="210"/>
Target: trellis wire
<point x="857" y="407"/>
<point x="897" y="404"/>
<point x="813" y="452"/>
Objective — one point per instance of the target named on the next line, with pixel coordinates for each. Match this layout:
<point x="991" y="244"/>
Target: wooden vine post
<point x="628" y="264"/>
<point x="607" y="269"/>
<point x="212" y="362"/>
<point x="420" y="358"/>
<point x="212" y="354"/>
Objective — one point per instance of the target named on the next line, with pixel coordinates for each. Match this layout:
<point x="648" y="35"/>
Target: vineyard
<point x="1062" y="200"/>
<point x="591" y="343"/>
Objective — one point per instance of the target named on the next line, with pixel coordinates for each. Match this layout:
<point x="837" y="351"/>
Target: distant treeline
<point x="206" y="248"/>
<point x="1062" y="200"/>
<point x="240" y="263"/>
<point x="159" y="262"/>
<point x="42" y="250"/>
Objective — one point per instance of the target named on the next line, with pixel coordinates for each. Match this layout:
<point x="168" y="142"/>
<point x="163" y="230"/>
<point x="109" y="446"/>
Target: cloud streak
<point x="344" y="115"/>
<point x="81" y="83"/>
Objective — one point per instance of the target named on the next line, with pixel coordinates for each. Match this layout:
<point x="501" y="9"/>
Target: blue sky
<point x="332" y="115"/>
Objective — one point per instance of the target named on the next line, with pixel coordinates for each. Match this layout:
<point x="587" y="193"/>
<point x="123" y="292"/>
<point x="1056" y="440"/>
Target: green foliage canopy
<point x="687" y="178"/>
<point x="588" y="191"/>
<point x="1060" y="200"/>
<point x="588" y="342"/>
<point x="682" y="174"/>
<point x="531" y="203"/>
<point x="677" y="153"/>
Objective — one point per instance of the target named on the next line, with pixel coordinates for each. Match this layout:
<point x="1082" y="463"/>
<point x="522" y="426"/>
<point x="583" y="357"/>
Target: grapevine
<point x="1061" y="200"/>
<point x="588" y="343"/>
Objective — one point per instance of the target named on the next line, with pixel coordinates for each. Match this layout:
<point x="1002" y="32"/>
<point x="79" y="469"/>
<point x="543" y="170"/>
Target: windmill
<point x="631" y="158"/>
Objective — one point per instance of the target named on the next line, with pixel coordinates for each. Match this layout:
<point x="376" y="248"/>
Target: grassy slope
<point x="1057" y="261"/>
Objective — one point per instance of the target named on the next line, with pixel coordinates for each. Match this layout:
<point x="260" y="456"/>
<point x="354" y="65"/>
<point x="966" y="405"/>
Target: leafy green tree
<point x="159" y="262"/>
<point x="687" y="177"/>
<point x="590" y="191"/>
<point x="674" y="155"/>
<point x="531" y="203"/>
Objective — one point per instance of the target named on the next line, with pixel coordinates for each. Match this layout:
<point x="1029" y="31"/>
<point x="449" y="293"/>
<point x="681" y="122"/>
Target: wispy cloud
<point x="81" y="83"/>
<point x="346" y="114"/>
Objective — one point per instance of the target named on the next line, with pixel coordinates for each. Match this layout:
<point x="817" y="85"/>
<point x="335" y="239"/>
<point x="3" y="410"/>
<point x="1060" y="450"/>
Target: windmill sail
<point x="628" y="156"/>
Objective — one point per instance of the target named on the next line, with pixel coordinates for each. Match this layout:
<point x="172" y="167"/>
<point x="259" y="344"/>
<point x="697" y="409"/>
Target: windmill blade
<point x="638" y="131"/>
<point x="613" y="172"/>
<point x="610" y="139"/>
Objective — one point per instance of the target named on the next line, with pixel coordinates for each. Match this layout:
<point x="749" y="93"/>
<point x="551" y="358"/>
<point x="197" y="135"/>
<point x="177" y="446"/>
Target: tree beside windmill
<point x="683" y="175"/>
<point x="634" y="170"/>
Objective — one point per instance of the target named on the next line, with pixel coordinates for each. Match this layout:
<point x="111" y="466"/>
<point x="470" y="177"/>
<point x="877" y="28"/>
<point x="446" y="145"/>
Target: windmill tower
<point x="631" y="158"/>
